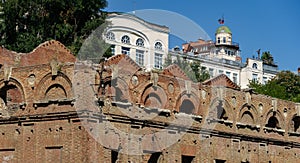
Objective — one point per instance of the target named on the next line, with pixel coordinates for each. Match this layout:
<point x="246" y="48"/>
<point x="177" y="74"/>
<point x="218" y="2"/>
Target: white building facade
<point x="148" y="45"/>
<point x="223" y="57"/>
<point x="144" y="42"/>
<point x="256" y="70"/>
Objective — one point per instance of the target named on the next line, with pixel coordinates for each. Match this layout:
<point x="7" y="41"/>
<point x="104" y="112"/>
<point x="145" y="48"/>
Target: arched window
<point x="273" y="123"/>
<point x="140" y="42"/>
<point x="254" y="66"/>
<point x="10" y="97"/>
<point x="221" y="113"/>
<point x="296" y="124"/>
<point x="247" y="118"/>
<point x="110" y="36"/>
<point x="187" y="107"/>
<point x="125" y="39"/>
<point x="158" y="46"/>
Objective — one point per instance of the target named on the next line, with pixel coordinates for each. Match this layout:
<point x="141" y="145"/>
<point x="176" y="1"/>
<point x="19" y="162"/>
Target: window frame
<point x="255" y="66"/>
<point x="140" y="42"/>
<point x="110" y="36"/>
<point x="139" y="57"/>
<point x="235" y="77"/>
<point x="160" y="47"/>
<point x="255" y="77"/>
<point x="126" y="49"/>
<point x="158" y="62"/>
<point x="125" y="41"/>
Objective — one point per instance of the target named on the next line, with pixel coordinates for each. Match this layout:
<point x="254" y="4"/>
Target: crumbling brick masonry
<point x="54" y="108"/>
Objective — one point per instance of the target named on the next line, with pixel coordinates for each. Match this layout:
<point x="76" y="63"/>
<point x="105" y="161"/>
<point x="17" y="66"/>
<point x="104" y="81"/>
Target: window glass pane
<point x="211" y="72"/>
<point x="224" y="39"/>
<point x="254" y="66"/>
<point x="158" y="61"/>
<point x="112" y="49"/>
<point x="140" y="42"/>
<point x="110" y="36"/>
<point x="139" y="58"/>
<point x="228" y="74"/>
<point x="265" y="79"/>
<point x="234" y="78"/>
<point x="125" y="39"/>
<point x="158" y="46"/>
<point x="125" y="50"/>
<point x="254" y="77"/>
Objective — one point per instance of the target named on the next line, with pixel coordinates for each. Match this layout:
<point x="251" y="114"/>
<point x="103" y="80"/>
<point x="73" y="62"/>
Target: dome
<point x="223" y="29"/>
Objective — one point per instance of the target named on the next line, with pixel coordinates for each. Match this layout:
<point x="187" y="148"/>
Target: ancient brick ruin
<point x="54" y="108"/>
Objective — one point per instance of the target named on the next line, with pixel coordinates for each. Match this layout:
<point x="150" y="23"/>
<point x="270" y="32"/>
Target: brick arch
<point x="274" y="117"/>
<point x="220" y="109"/>
<point x="11" y="93"/>
<point x="246" y="112"/>
<point x="48" y="82"/>
<point x="187" y="103"/>
<point x="154" y="96"/>
<point x="56" y="91"/>
<point x="118" y="90"/>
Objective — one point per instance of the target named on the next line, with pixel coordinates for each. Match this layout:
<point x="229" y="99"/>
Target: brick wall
<point x="67" y="111"/>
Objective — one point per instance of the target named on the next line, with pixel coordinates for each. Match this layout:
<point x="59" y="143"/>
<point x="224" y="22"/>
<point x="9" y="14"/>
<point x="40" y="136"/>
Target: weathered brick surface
<point x="56" y="110"/>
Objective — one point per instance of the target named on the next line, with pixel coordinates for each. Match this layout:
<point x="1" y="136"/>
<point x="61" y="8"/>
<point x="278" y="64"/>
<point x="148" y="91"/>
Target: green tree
<point x="168" y="60"/>
<point x="267" y="58"/>
<point x="192" y="69"/>
<point x="271" y="89"/>
<point x="26" y="24"/>
<point x="286" y="85"/>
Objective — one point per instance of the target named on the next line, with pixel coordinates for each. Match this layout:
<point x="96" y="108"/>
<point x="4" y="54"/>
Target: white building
<point x="255" y="69"/>
<point x="144" y="42"/>
<point x="147" y="44"/>
<point x="223" y="57"/>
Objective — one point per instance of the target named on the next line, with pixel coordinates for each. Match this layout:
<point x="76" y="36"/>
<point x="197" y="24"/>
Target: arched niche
<point x="273" y="122"/>
<point x="117" y="89"/>
<point x="56" y="91"/>
<point x="295" y="124"/>
<point x="155" y="157"/>
<point x="154" y="97"/>
<point x="187" y="103"/>
<point x="248" y="114"/>
<point x="187" y="107"/>
<point x="11" y="95"/>
<point x="220" y="109"/>
<point x="54" y="87"/>
<point x="247" y="118"/>
<point x="274" y="119"/>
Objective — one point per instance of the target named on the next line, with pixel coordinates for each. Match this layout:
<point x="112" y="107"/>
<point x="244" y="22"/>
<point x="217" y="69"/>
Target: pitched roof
<point x="127" y="63"/>
<point x="175" y="70"/>
<point x="122" y="60"/>
<point x="221" y="80"/>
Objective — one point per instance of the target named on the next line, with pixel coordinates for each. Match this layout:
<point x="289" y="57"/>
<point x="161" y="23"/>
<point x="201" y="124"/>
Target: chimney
<point x="298" y="70"/>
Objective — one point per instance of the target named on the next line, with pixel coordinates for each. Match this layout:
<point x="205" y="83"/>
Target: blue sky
<point x="266" y="24"/>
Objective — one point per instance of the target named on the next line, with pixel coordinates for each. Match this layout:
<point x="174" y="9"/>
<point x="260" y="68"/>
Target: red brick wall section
<point x="47" y="127"/>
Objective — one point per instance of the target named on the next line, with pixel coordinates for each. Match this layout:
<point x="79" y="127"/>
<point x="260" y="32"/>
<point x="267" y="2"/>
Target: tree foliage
<point x="286" y="85"/>
<point x="27" y="23"/>
<point x="267" y="58"/>
<point x="192" y="69"/>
